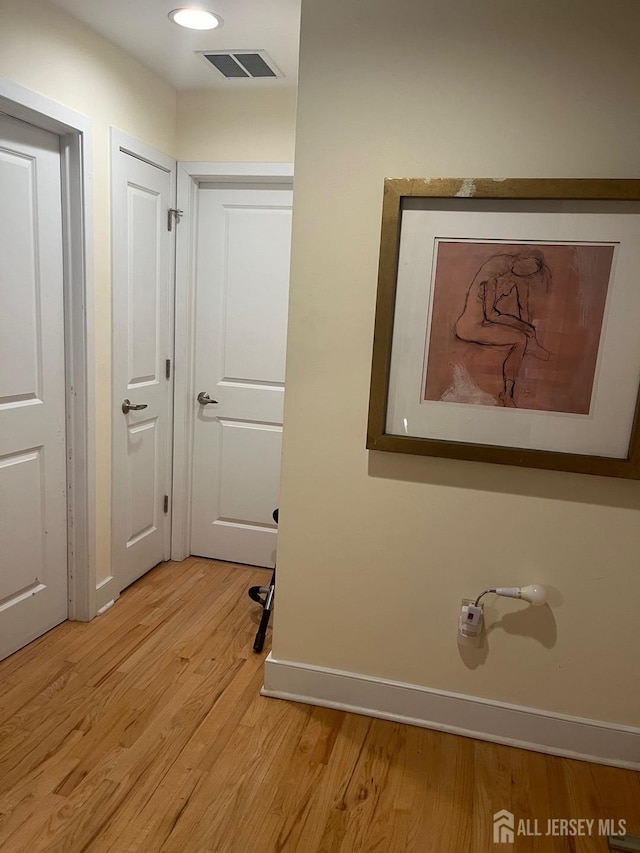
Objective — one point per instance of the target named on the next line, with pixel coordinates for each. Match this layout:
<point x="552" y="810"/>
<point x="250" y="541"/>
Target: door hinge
<point x="167" y="368"/>
<point x="174" y="214"/>
<point x="166" y="503"/>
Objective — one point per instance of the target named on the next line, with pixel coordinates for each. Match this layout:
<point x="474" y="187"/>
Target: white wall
<point x="376" y="550"/>
<point x="237" y="125"/>
<point x="51" y="53"/>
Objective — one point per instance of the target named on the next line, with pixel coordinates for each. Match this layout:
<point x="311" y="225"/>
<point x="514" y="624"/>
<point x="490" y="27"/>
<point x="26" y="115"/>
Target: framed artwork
<point x="508" y="323"/>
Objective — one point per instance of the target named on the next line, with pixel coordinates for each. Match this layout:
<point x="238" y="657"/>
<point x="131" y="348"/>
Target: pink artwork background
<point x="568" y="317"/>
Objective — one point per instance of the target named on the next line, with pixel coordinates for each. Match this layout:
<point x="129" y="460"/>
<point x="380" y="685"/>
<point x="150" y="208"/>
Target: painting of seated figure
<point x="516" y="325"/>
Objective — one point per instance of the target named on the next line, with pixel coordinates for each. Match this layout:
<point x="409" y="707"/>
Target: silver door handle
<point x="204" y="399"/>
<point x="127" y="406"/>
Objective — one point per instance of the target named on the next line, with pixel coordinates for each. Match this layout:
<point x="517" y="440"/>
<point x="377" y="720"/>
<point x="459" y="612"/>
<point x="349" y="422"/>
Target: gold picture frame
<point x="456" y="256"/>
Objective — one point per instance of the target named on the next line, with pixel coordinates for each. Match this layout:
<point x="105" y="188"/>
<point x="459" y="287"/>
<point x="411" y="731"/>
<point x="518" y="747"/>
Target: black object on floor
<point x="264" y="596"/>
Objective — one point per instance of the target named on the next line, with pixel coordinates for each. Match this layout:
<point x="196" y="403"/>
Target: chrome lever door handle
<point x="204" y="399"/>
<point x="128" y="406"/>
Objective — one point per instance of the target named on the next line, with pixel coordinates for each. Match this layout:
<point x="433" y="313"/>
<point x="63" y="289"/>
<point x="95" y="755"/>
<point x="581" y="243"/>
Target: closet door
<point x="33" y="499"/>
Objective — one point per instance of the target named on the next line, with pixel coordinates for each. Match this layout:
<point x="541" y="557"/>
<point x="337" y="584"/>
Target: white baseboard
<point x="106" y="594"/>
<point x="513" y="725"/>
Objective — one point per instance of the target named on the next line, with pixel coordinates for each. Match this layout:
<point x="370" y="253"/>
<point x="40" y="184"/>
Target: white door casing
<point x="33" y="518"/>
<point x="142" y="345"/>
<point x="242" y="279"/>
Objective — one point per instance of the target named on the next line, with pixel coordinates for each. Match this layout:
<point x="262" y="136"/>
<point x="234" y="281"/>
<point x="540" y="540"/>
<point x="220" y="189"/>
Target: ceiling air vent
<point x="234" y="64"/>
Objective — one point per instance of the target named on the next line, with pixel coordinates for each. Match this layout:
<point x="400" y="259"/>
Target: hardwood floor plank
<point x="283" y="806"/>
<point x="389" y="827"/>
<point x="144" y="731"/>
<point x="345" y="753"/>
<point x="234" y="782"/>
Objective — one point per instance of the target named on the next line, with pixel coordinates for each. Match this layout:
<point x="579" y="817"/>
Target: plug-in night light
<point x="534" y="593"/>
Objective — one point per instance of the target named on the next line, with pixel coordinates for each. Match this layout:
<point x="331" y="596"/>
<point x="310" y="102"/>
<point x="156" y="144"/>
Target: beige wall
<point x="49" y="52"/>
<point x="376" y="550"/>
<point x="237" y="125"/>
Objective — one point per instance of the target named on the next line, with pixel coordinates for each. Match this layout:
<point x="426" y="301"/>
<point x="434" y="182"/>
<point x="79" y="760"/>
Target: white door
<point x="33" y="501"/>
<point x="142" y="349"/>
<point x="244" y="237"/>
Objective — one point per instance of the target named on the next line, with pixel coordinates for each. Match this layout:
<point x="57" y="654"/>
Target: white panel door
<point x="33" y="501"/>
<point x="142" y="288"/>
<point x="244" y="237"/>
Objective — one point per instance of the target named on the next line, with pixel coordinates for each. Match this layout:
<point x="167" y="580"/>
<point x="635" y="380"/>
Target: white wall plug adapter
<point x="471" y="620"/>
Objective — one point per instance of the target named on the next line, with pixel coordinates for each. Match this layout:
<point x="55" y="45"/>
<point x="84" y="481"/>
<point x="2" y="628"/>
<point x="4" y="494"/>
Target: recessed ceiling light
<point x="195" y="19"/>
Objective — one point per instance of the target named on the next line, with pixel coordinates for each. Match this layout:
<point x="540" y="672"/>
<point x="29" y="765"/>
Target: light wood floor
<point x="144" y="731"/>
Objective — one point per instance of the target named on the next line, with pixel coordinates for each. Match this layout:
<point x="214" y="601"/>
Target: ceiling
<point x="142" y="29"/>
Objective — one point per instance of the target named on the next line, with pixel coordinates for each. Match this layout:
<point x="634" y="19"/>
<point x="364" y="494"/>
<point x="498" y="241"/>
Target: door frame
<point x="190" y="176"/>
<point x="121" y="142"/>
<point x="76" y="146"/>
